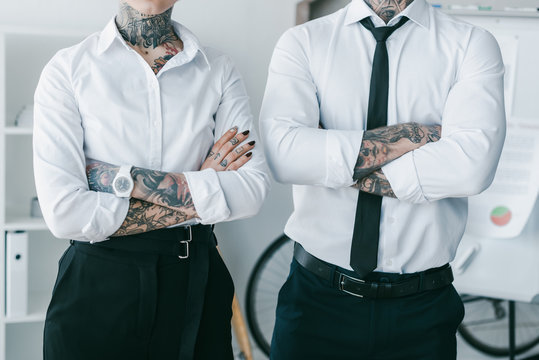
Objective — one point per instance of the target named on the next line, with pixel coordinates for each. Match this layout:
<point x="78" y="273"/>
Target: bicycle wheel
<point x="269" y="274"/>
<point x="486" y="325"/>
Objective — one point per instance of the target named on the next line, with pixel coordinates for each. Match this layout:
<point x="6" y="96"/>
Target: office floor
<point x="465" y="352"/>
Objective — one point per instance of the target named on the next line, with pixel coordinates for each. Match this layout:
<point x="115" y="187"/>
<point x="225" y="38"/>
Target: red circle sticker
<point x="501" y="216"/>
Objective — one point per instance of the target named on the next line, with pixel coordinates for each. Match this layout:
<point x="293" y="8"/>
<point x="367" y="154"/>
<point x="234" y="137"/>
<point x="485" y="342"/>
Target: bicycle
<point x="485" y="326"/>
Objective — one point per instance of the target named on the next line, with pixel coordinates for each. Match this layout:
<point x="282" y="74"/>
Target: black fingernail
<point x="249" y="154"/>
<point x="251" y="143"/>
<point x="245" y="132"/>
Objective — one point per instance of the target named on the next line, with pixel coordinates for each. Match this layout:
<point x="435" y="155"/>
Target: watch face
<point x="122" y="184"/>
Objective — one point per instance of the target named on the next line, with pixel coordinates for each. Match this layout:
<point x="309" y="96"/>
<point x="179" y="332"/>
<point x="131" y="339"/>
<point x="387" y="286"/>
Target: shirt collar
<point x="417" y="11"/>
<point x="191" y="44"/>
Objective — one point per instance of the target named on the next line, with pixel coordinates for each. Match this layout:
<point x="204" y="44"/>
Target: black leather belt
<point x="409" y="284"/>
<point x="169" y="241"/>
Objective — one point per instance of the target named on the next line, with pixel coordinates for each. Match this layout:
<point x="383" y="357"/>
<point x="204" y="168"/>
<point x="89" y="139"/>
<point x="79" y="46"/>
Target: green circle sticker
<point x="501" y="216"/>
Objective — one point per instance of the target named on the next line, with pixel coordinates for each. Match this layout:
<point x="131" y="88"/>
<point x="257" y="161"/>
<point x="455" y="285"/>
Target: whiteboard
<point x="499" y="254"/>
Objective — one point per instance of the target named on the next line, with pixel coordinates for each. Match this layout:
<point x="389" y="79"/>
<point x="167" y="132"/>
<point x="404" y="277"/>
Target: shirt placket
<point x="156" y="124"/>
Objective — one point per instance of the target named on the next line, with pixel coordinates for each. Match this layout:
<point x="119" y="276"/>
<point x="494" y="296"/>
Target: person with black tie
<point x="143" y="140"/>
<point x="385" y="116"/>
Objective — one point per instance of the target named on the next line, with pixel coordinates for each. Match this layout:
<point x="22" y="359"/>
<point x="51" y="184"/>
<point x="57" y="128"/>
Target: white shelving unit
<point x="23" y="54"/>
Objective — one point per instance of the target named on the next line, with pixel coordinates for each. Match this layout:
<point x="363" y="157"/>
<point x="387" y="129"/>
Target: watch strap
<point x="125" y="170"/>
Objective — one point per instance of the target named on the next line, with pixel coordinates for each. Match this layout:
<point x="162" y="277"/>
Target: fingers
<point x="242" y="160"/>
<point x="228" y="146"/>
<point x="229" y="135"/>
<point x="228" y="150"/>
<point x="236" y="153"/>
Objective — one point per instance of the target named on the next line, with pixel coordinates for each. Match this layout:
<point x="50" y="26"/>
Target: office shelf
<point x="20" y="69"/>
<point x="14" y="130"/>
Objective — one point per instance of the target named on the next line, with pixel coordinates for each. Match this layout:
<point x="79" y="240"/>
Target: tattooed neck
<point x="148" y="31"/>
<point x="388" y="9"/>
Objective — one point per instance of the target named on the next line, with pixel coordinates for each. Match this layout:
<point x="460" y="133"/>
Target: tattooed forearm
<point x="388" y="9"/>
<point x="160" y="188"/>
<point x="148" y="31"/>
<point x="100" y="175"/>
<point x="165" y="189"/>
<point x="375" y="183"/>
<point x="143" y="217"/>
<point x="385" y="144"/>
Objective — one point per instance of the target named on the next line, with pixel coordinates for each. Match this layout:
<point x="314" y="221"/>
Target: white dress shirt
<point x="101" y="100"/>
<point x="441" y="71"/>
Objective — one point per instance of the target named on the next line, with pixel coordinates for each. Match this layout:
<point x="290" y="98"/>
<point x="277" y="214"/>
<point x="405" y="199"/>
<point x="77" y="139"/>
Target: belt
<point x="170" y="241"/>
<point x="409" y="284"/>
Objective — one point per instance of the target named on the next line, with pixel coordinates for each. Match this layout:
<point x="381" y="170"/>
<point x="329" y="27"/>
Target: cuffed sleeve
<point x="298" y="151"/>
<point x="464" y="161"/>
<point x="208" y="196"/>
<point x="231" y="195"/>
<point x="70" y="209"/>
<point x="404" y="187"/>
<point x="342" y="149"/>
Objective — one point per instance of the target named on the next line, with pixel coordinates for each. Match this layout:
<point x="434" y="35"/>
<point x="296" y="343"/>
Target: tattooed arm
<point x="375" y="183"/>
<point x="143" y="217"/>
<point x="383" y="145"/>
<point x="160" y="188"/>
<point x="161" y="199"/>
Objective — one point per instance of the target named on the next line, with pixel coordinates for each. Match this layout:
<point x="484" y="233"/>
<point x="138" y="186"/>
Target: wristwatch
<point x="123" y="182"/>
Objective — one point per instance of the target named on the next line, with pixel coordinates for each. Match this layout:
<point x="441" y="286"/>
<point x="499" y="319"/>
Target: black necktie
<point x="364" y="252"/>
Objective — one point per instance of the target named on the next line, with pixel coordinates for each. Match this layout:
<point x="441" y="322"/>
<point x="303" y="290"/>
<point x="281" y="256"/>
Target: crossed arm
<point x="160" y="199"/>
<point x="383" y="145"/>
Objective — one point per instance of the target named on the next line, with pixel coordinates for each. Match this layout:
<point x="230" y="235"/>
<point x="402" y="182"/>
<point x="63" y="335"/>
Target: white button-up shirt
<point x="101" y="100"/>
<point x="441" y="71"/>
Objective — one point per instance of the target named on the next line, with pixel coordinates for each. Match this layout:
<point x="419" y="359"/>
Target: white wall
<point x="245" y="29"/>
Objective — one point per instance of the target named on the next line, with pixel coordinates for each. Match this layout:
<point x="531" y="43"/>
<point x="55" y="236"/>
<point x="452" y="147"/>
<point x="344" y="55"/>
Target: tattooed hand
<point x="383" y="145"/>
<point x="375" y="183"/>
<point x="228" y="153"/>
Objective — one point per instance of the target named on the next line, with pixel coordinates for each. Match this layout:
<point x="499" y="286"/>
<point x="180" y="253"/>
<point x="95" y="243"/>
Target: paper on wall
<point x="509" y="49"/>
<point x="504" y="208"/>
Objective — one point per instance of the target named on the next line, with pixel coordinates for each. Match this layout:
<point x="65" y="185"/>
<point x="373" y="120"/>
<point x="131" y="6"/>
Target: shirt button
<point x="391" y="220"/>
<point x="389" y="262"/>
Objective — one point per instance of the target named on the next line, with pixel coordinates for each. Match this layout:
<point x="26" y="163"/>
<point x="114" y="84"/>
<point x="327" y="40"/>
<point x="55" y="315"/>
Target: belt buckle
<point x="341" y="284"/>
<point x="185" y="244"/>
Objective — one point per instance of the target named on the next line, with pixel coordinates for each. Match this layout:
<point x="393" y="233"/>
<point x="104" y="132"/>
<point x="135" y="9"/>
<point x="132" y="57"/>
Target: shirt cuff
<point x="108" y="216"/>
<point x="342" y="149"/>
<point x="208" y="197"/>
<point x="404" y="180"/>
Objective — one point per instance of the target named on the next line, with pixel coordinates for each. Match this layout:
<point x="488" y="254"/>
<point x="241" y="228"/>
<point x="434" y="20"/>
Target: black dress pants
<point x="115" y="304"/>
<point x="316" y="321"/>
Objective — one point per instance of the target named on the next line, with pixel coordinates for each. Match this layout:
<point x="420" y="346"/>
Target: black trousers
<point x="110" y="303"/>
<point x="317" y="321"/>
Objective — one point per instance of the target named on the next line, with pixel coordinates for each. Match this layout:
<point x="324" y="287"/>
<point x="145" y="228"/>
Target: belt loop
<point x="333" y="272"/>
<point x="184" y="244"/>
<point x="421" y="284"/>
<point x="374" y="289"/>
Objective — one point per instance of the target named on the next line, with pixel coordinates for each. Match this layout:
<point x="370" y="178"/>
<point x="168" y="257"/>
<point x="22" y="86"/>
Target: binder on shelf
<point x="16" y="273"/>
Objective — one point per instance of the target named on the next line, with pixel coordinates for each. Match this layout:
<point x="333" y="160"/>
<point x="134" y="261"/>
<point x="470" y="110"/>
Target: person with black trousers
<point x="143" y="140"/>
<point x="385" y="116"/>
